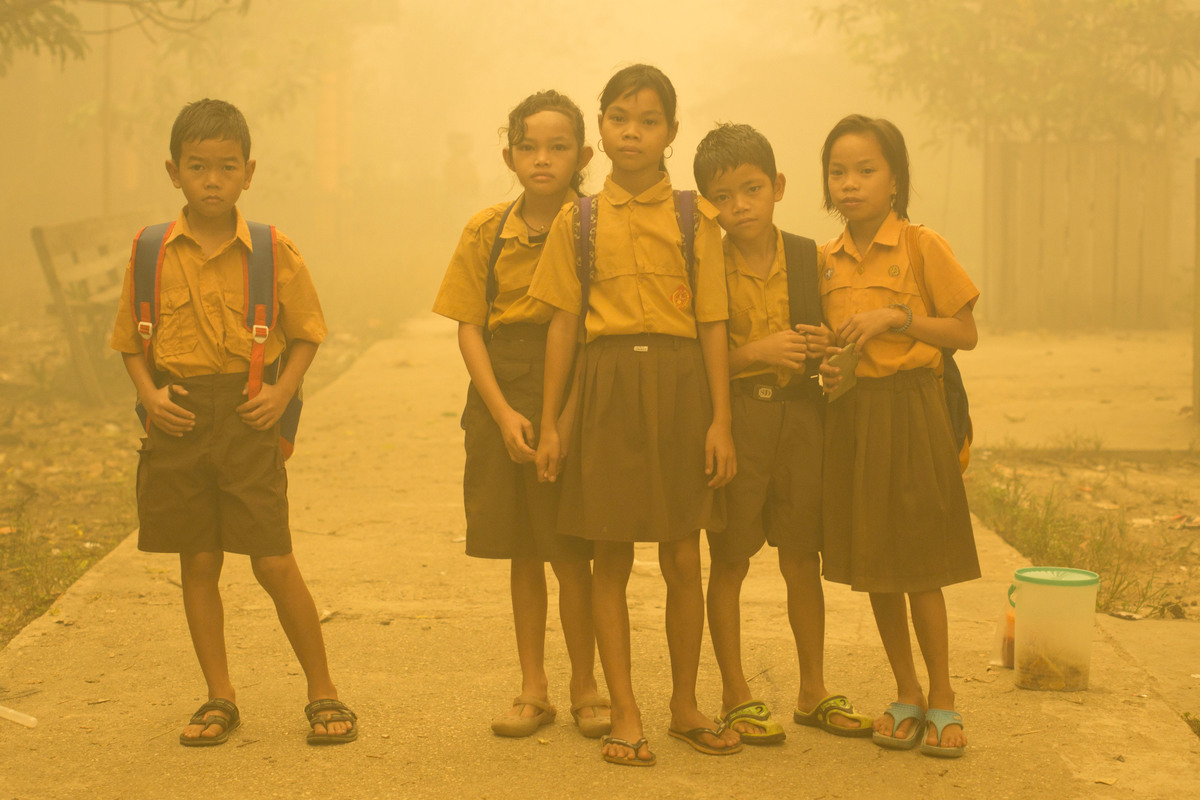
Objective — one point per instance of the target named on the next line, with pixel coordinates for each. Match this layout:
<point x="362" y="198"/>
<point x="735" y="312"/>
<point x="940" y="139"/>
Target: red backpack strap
<point x="261" y="302"/>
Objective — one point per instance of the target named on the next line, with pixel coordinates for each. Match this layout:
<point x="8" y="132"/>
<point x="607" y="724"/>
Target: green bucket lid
<point x="1056" y="576"/>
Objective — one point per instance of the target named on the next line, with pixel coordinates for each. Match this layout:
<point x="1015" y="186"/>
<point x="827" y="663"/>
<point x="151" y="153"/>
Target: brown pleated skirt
<point x="635" y="465"/>
<point x="894" y="508"/>
<point x="509" y="513"/>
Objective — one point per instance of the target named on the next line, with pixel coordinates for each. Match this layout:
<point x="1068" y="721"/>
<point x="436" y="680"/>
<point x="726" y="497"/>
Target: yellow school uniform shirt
<point x="640" y="283"/>
<point x="851" y="283"/>
<point x="201" y="327"/>
<point x="463" y="296"/>
<point x="758" y="307"/>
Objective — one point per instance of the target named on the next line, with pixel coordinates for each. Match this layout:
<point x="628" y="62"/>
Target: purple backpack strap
<point x="688" y="219"/>
<point x="585" y="247"/>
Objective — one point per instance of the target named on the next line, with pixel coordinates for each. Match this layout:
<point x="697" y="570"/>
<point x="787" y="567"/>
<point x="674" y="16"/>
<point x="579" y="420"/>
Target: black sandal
<point x="341" y="713"/>
<point x="201" y="718"/>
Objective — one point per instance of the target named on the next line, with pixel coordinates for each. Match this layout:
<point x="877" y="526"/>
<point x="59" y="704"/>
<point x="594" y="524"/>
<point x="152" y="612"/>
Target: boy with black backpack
<point x="776" y="342"/>
<point x="198" y="334"/>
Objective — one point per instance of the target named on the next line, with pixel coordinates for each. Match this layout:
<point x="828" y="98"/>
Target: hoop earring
<point x="600" y="145"/>
<point x="669" y="152"/>
<point x="892" y="201"/>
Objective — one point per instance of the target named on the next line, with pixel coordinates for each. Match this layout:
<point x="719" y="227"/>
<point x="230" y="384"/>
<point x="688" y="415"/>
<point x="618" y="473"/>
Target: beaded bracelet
<point x="907" y="322"/>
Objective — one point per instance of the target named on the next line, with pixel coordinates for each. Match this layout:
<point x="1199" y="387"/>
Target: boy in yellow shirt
<point x="211" y="478"/>
<point x="777" y="411"/>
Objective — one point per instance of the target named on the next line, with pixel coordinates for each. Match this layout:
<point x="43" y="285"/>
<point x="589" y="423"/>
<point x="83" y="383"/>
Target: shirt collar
<point x="182" y="228"/>
<point x="516" y="226"/>
<point x="736" y="263"/>
<point x="655" y="194"/>
<point x="888" y="235"/>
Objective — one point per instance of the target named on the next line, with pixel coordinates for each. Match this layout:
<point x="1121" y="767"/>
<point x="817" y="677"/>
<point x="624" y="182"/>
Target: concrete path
<point x="421" y="646"/>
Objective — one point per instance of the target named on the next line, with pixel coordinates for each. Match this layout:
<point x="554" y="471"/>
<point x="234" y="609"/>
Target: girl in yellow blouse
<point x="650" y="439"/>
<point x="895" y="512"/>
<point x="502" y="336"/>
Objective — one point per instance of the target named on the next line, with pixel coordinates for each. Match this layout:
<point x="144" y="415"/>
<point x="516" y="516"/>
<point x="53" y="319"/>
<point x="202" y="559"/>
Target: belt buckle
<point x="763" y="391"/>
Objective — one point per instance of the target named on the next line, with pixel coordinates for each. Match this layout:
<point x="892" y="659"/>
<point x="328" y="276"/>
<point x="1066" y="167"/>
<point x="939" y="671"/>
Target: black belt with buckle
<point x="772" y="393"/>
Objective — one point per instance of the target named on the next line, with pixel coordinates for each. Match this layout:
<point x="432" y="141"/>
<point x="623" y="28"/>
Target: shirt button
<point x="861" y="269"/>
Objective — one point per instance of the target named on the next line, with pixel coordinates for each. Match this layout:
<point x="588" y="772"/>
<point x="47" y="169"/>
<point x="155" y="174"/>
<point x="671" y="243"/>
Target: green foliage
<point x="37" y="25"/>
<point x="1030" y="70"/>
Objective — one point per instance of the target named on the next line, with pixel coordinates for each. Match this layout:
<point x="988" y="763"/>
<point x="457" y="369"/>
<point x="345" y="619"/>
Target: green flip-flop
<point x="837" y="704"/>
<point x="756" y="713"/>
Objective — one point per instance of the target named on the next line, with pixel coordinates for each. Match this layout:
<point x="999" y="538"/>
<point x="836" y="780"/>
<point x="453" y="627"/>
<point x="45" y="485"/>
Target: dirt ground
<point x="419" y="640"/>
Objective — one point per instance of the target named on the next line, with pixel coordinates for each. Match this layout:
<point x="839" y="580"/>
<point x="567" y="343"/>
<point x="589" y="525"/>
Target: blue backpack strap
<point x="148" y="249"/>
<point x="259" y="265"/>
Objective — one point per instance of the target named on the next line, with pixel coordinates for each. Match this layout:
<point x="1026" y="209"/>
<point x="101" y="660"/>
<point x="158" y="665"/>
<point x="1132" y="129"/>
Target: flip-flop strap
<point x="541" y="705"/>
<point x="939" y="718"/>
<point x="754" y="711"/>
<point x="838" y="704"/>
<point x="902" y="711"/>
<point x="595" y="701"/>
<point x="313" y="709"/>
<point x="216" y="704"/>
<point x="634" y="746"/>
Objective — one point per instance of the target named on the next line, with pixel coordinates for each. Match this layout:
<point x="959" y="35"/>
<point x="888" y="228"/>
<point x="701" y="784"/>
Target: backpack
<point x="261" y="306"/>
<point x="951" y="377"/>
<point x="804" y="298"/>
<point x="585" y="242"/>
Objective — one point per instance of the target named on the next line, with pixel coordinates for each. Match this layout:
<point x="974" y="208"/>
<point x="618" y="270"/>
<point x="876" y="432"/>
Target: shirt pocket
<point x="177" y="324"/>
<point x="741" y="322"/>
<point x="238" y="338"/>
<point x="639" y="252"/>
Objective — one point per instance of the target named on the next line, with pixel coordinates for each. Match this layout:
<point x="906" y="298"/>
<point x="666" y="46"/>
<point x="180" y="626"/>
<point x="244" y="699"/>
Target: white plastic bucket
<point x="1055" y="612"/>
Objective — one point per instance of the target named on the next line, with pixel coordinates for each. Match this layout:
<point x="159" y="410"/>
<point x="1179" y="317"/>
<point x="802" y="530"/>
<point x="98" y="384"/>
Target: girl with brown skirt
<point x="895" y="512"/>
<point x="502" y="336"/>
<point x="650" y="438"/>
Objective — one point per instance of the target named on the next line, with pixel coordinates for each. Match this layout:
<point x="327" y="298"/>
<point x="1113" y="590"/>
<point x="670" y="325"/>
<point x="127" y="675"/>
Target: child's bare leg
<point x="527" y="582"/>
<point x="933" y="635"/>
<point x="575" y="613"/>
<point x="610" y="611"/>
<point x="280" y="576"/>
<point x="199" y="574"/>
<point x="725" y="624"/>
<point x="680" y="563"/>
<point x="891" y="617"/>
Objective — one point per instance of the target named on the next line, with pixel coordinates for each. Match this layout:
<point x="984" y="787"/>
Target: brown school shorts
<point x="221" y="486"/>
<point x="776" y="495"/>
<point x="509" y="513"/>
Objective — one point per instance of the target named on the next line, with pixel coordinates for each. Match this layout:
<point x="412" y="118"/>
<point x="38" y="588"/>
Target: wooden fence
<point x="1075" y="236"/>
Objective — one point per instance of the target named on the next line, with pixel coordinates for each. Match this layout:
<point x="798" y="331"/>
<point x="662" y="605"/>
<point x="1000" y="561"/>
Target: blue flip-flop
<point x="900" y="712"/>
<point x="938" y="719"/>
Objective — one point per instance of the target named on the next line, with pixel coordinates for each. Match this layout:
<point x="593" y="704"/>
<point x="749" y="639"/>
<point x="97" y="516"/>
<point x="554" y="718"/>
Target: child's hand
<point x="782" y="349"/>
<point x="720" y="461"/>
<point x="549" y="455"/>
<point x="818" y="339"/>
<point x="264" y="410"/>
<point x="566" y="422"/>
<point x="831" y="376"/>
<point x="866" y="325"/>
<point x="518" y="436"/>
<point x="164" y="414"/>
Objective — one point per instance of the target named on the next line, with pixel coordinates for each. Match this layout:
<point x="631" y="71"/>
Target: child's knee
<point x="799" y="567"/>
<point x="728" y="572"/>
<point x="680" y="560"/>
<point x="274" y="571"/>
<point x="200" y="567"/>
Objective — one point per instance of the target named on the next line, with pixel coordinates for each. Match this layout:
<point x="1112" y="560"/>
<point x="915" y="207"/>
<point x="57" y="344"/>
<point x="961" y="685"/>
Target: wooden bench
<point x="84" y="264"/>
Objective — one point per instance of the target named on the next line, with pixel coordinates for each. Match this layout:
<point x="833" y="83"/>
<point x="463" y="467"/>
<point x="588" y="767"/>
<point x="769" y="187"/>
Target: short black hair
<point x="895" y="153"/>
<point x="209" y="119"/>
<point x="729" y="146"/>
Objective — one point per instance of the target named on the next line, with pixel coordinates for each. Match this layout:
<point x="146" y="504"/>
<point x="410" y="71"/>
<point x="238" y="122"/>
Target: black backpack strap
<point x="804" y="298"/>
<point x="687" y="216"/>
<point x="493" y="287"/>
